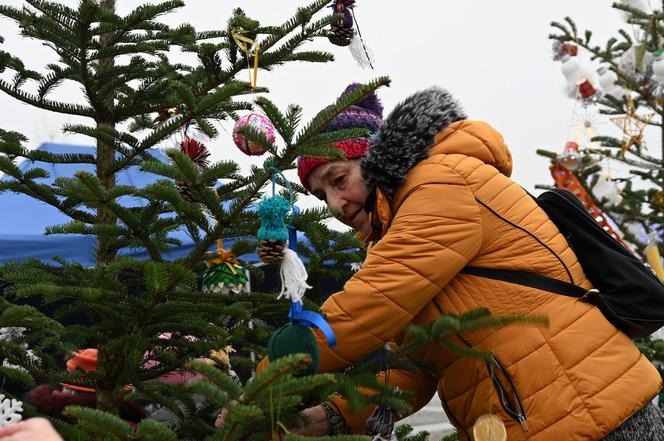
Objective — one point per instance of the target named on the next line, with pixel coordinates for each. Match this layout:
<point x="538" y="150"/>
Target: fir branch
<point x="99" y="422"/>
<point x="325" y="116"/>
<point x="55" y="106"/>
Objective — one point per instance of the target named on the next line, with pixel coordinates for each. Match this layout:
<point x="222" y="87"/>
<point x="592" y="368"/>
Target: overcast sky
<point x="493" y="56"/>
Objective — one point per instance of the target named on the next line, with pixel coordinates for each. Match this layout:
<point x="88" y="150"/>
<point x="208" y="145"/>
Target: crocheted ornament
<point x="10" y="410"/>
<point x="258" y="122"/>
<point x="273" y="233"/>
<point x="199" y="154"/>
<point x="224" y="274"/>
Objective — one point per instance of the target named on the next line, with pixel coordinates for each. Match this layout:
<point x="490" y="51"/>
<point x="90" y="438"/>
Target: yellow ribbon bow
<point x="245" y="44"/>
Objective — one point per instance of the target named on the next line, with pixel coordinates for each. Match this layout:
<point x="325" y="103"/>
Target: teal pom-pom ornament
<point x="273" y="233"/>
<point x="273" y="211"/>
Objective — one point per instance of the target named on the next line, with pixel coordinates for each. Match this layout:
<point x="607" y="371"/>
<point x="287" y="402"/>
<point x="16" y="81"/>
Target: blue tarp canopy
<point x="23" y="220"/>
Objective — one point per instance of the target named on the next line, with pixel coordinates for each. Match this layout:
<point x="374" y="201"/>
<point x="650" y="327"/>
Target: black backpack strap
<point x="527" y="279"/>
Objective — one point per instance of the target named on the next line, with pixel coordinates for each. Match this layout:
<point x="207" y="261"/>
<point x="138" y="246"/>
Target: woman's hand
<point x="30" y="430"/>
<point x="315" y="418"/>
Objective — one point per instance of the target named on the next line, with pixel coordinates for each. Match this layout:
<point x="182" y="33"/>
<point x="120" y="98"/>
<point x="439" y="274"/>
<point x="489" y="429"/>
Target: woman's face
<point x="340" y="185"/>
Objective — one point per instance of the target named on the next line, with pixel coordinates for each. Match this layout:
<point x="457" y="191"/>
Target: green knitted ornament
<point x="294" y="339"/>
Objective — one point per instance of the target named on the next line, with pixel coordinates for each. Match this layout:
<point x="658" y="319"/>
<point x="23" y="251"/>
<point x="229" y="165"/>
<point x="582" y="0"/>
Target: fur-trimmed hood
<point x="409" y="132"/>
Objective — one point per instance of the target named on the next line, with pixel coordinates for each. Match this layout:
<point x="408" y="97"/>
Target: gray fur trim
<point x="405" y="137"/>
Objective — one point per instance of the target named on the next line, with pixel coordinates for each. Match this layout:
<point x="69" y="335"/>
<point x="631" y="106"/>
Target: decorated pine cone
<point x="199" y="154"/>
<point x="224" y="278"/>
<point x="340" y="36"/>
<point x="271" y="251"/>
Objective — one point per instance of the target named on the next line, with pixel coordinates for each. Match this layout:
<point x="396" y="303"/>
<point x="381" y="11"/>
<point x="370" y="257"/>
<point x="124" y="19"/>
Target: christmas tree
<point x="620" y="178"/>
<point x="144" y="319"/>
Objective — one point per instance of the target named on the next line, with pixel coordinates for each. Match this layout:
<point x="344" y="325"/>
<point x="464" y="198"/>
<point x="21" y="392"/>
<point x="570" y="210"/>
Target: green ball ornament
<point x="294" y="339"/>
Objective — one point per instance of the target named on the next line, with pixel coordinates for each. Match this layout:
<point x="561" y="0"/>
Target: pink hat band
<point x="352" y="148"/>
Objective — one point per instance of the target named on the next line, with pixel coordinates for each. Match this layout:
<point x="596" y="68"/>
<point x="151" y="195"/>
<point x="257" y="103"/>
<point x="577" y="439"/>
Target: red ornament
<point x="586" y="89"/>
<point x="570" y="49"/>
<point x="196" y="151"/>
<point x="199" y="154"/>
<point x="570" y="158"/>
<point x="571" y="146"/>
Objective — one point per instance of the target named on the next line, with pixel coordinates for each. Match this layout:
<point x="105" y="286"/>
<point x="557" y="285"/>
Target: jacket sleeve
<point x="421" y="385"/>
<point x="436" y="231"/>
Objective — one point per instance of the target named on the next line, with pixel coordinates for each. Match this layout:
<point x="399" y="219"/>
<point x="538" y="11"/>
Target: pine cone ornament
<point x="342" y="30"/>
<point x="271" y="251"/>
<point x="340" y="36"/>
<point x="199" y="154"/>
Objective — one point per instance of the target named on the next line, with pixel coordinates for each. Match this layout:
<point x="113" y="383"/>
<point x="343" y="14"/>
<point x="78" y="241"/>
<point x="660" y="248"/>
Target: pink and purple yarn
<point x="258" y="122"/>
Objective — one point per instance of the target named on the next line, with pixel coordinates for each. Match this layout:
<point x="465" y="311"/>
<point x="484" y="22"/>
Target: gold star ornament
<point x="632" y="126"/>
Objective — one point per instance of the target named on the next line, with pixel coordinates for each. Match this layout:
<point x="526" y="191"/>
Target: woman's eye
<point x="339" y="180"/>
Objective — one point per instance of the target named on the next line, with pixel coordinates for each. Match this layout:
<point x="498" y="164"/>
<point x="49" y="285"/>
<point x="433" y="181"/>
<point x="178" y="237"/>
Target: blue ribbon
<point x="312" y="320"/>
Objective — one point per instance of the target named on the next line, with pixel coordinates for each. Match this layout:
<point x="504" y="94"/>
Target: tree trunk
<point x="105" y="153"/>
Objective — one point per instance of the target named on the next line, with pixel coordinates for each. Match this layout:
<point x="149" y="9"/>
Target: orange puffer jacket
<point x="577" y="378"/>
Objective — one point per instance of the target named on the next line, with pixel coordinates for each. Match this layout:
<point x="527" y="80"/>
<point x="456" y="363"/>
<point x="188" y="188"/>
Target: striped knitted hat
<point x="365" y="114"/>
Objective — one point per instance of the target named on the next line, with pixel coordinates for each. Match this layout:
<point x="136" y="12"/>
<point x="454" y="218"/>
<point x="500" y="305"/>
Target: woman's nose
<point x="336" y="200"/>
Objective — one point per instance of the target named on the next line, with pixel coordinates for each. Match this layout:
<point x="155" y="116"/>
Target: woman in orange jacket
<point x="431" y="192"/>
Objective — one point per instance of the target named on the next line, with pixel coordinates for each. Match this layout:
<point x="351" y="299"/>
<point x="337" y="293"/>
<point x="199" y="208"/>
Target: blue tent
<point x="25" y="219"/>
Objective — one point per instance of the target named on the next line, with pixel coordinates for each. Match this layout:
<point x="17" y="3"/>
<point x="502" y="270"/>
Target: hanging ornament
<point x="240" y="36"/>
<point x="489" y="427"/>
<point x="380" y="425"/>
<point x="653" y="256"/>
<point x="586" y="88"/>
<point x="632" y="126"/>
<point x="10" y="410"/>
<point x="224" y="273"/>
<point x="607" y="188"/>
<point x="658" y="65"/>
<point x="636" y="61"/>
<point x="272" y="234"/>
<point x="343" y="34"/>
<point x="570" y="158"/>
<point x="199" y="154"/>
<point x="293" y="337"/>
<point x="224" y="356"/>
<point x="561" y="49"/>
<point x="607" y="81"/>
<point x="571" y="69"/>
<point x="257" y="122"/>
<point x="586" y="92"/>
<point x="342" y="29"/>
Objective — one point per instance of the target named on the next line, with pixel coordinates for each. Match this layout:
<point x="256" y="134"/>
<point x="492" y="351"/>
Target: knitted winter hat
<point x="365" y="114"/>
